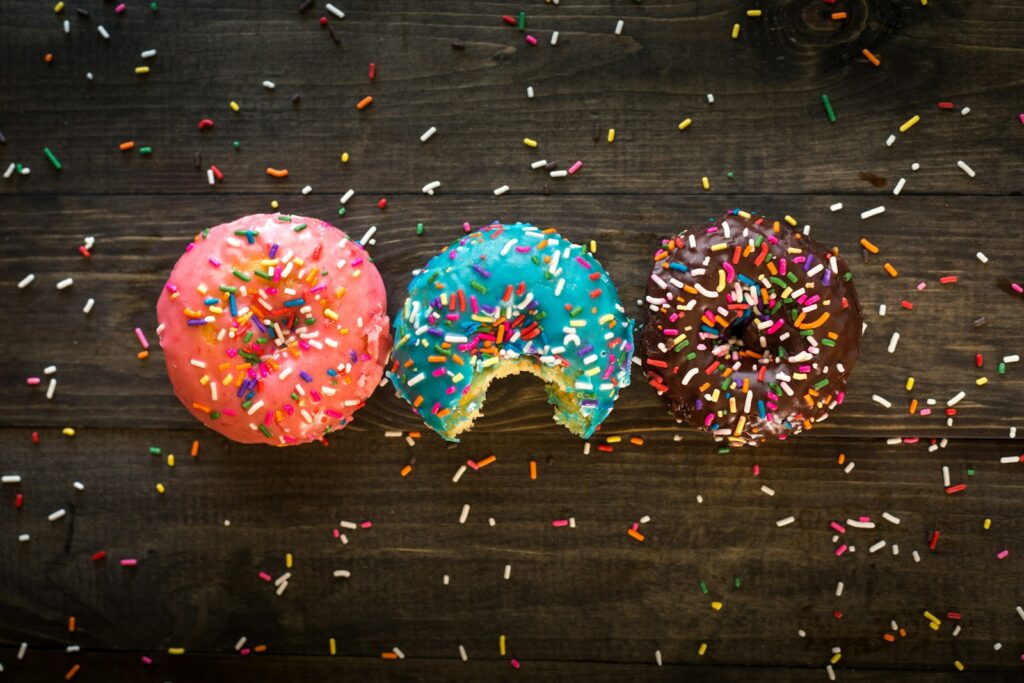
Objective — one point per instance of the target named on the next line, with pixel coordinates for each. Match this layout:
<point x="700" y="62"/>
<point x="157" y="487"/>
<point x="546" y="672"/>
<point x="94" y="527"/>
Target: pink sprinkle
<point x="1017" y="288"/>
<point x="337" y="534"/>
<point x="840" y="550"/>
<point x="863" y="518"/>
<point x="471" y="464"/>
<point x="579" y="259"/>
<point x="1022" y="118"/>
<point x="838" y="527"/>
<point x="214" y="262"/>
<point x="925" y="411"/>
<point x="365" y="525"/>
<point x="146" y="660"/>
<point x="265" y="576"/>
<point x="575" y="167"/>
<point x="531" y="40"/>
<point x="560" y="522"/>
<point x="171" y="288"/>
<point x="120" y="8"/>
<point x="921" y="286"/>
<point x="1002" y="555"/>
<point x="142" y="337"/>
<point x="515" y="662"/>
<point x="244" y="651"/>
<point x="129" y="562"/>
<point x="33" y="381"/>
<point x="757" y="470"/>
<point x="467" y="227"/>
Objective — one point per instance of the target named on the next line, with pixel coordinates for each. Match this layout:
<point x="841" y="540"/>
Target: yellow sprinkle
<point x="288" y="560"/>
<point x="735" y="31"/>
<point x="685" y="123"/>
<point x="702" y="649"/>
<point x="910" y="383"/>
<point x="981" y="381"/>
<point x="790" y="220"/>
<point x="959" y="665"/>
<point x="501" y="645"/>
<point x="934" y="626"/>
<point x="170" y="459"/>
<point x="613" y="439"/>
<point x="344" y="157"/>
<point x="719" y="247"/>
<point x="716" y="605"/>
<point x="142" y="70"/>
<point x="611" y="135"/>
<point x="175" y="650"/>
<point x="68" y="431"/>
<point x="274" y="204"/>
<point x="330" y="314"/>
<point x="931" y="617"/>
<point x="529" y="142"/>
<point x="987" y="524"/>
<point x="58" y="8"/>
<point x="753" y="12"/>
<point x="332" y="647"/>
<point x="836" y="657"/>
<point x="909" y="123"/>
<point x="233" y="105"/>
<point x="160" y="489"/>
<point x="705" y="183"/>
<point x="593" y="246"/>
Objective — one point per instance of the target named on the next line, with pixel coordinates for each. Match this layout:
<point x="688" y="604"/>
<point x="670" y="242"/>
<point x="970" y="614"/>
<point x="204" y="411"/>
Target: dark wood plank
<point x="767" y="86"/>
<point x="584" y="594"/>
<point x="101" y="383"/>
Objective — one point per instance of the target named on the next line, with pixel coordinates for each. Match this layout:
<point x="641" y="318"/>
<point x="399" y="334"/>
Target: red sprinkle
<point x="35" y="437"/>
<point x="99" y="555"/>
<point x="373" y="71"/>
<point x="946" y="105"/>
<point x="907" y="305"/>
<point x="323" y="21"/>
<point x="205" y="123"/>
<point x="18" y="501"/>
<point x="956" y="488"/>
<point x="948" y="280"/>
<point x="216" y="172"/>
<point x="511" y="21"/>
<point x="934" y="540"/>
<point x="83" y="251"/>
<point x="382" y="203"/>
<point x="978" y="359"/>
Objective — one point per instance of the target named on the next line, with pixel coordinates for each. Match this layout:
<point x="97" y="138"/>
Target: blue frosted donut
<point x="504" y="300"/>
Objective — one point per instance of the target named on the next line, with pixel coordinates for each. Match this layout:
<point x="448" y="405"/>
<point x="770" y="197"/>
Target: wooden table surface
<point x="584" y="603"/>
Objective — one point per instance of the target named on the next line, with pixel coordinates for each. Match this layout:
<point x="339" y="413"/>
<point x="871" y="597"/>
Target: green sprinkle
<point x="53" y="159"/>
<point x="730" y="175"/>
<point x="300" y="227"/>
<point x="229" y="289"/>
<point x="970" y="471"/>
<point x="215" y="415"/>
<point x="575" y="311"/>
<point x="822" y="383"/>
<point x="341" y="211"/>
<point x="691" y="355"/>
<point x="266" y="432"/>
<point x="703" y="588"/>
<point x="295" y="397"/>
<point x="522" y="21"/>
<point x="723" y="450"/>
<point x="827" y="342"/>
<point x="145" y="150"/>
<point x="477" y="286"/>
<point x="248" y="336"/>
<point x="1001" y="368"/>
<point x="245" y="406"/>
<point x="152" y="6"/>
<point x="240" y="275"/>
<point x="828" y="108"/>
<point x="806" y="333"/>
<point x="419" y="228"/>
<point x="155" y="450"/>
<point x="284" y="219"/>
<point x="264" y="275"/>
<point x="236" y="144"/>
<point x="310" y="320"/>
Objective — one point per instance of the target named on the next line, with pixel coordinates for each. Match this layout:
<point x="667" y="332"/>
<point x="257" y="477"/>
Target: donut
<point x="274" y="328"/>
<point x="509" y="299"/>
<point x="751" y="329"/>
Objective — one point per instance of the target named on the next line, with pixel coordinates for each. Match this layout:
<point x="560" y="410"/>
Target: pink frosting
<point x="327" y="308"/>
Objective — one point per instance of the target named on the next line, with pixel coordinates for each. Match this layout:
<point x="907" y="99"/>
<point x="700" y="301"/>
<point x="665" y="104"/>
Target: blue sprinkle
<point x="210" y="300"/>
<point x="760" y="410"/>
<point x="294" y="302"/>
<point x="332" y="372"/>
<point x="678" y="266"/>
<point x="233" y="305"/>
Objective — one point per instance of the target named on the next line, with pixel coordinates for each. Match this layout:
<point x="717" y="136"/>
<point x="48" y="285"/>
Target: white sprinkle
<point x="965" y="111"/>
<point x="889" y="140"/>
<point x="881" y="401"/>
<point x="529" y="91"/>
<point x="401" y="655"/>
<point x="445" y="579"/>
<point x="785" y="521"/>
<point x="917" y="556"/>
<point x="618" y="27"/>
<point x="838" y="206"/>
<point x="431" y="186"/>
<point x="65" y="283"/>
<point x="498" y="191"/>
<point x="945" y="476"/>
<point x="849" y="467"/>
<point x="79" y="486"/>
<point x="54" y="516"/>
<point x="427" y="134"/>
<point x="281" y="589"/>
<point x="839" y="589"/>
<point x="876" y="547"/>
<point x="857" y="524"/>
<point x="464" y="514"/>
<point x="554" y="38"/>
<point x="700" y="499"/>
<point x="21" y="650"/>
<point x="982" y="257"/>
<point x="956" y="631"/>
<point x="831" y="672"/>
<point x="802" y="633"/>
<point x="269" y="85"/>
<point x="348" y="525"/>
<point x="1009" y="459"/>
<point x="893" y="341"/>
<point x="881" y="310"/>
<point x="1020" y="611"/>
<point x="11" y="479"/>
<point x="657" y="657"/>
<point x="508" y="572"/>
<point x="347" y="196"/>
<point x="890" y="518"/>
<point x="537" y="164"/>
<point x="1011" y="359"/>
<point x="997" y="646"/>
<point x="334" y="10"/>
<point x="711" y="98"/>
<point x="1013" y="432"/>
<point x="768" y="490"/>
<point x="307" y="189"/>
<point x="462" y="654"/>
<point x="24" y="538"/>
<point x="915" y="166"/>
<point x="148" y="54"/>
<point x="51" y="389"/>
<point x="872" y="212"/>
<point x="899" y="186"/>
<point x="10" y="170"/>
<point x="368" y="235"/>
<point x="26" y="281"/>
<point x="87" y="309"/>
<point x="88" y="75"/>
<point x="490" y="521"/>
<point x="956" y="399"/>
<point x="240" y="643"/>
<point x="49" y="369"/>
<point x="210" y="177"/>
<point x="965" y="168"/>
<point x="558" y="174"/>
<point x="103" y="32"/>
<point x="67" y="26"/>
<point x="895" y="549"/>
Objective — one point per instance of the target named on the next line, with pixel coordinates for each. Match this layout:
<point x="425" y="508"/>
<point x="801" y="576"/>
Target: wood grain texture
<point x="584" y="603"/>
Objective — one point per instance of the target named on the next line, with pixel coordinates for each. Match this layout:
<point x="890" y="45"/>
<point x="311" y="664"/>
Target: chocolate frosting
<point x="751" y="329"/>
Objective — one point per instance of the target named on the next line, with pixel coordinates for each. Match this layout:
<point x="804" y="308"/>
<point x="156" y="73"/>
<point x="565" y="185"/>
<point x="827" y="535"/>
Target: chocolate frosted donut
<point x="751" y="329"/>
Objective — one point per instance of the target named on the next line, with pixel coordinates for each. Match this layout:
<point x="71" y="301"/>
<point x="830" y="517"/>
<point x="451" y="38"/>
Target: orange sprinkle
<point x="889" y="637"/>
<point x="126" y="145"/>
<point x="414" y="435"/>
<point x="637" y="441"/>
<point x="838" y="15"/>
<point x="260" y="648"/>
<point x="406" y="470"/>
<point x="195" y="448"/>
<point x="533" y="469"/>
<point x="868" y="245"/>
<point x="200" y="406"/>
<point x="842" y="458"/>
<point x="71" y="624"/>
<point x="871" y="57"/>
<point x="388" y="655"/>
<point x="71" y="672"/>
<point x="635" y="534"/>
<point x="277" y="172"/>
<point x="889" y="269"/>
<point x="913" y="406"/>
<point x="365" y="102"/>
<point x="142" y="355"/>
<point x="486" y="461"/>
<point x="48" y="57"/>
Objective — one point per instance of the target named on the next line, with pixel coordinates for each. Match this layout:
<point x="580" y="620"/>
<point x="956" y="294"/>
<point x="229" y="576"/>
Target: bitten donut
<point x="504" y="300"/>
<point x="751" y="329"/>
<point x="274" y="328"/>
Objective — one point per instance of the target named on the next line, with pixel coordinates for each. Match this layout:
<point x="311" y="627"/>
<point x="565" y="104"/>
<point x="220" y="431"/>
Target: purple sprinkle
<point x="196" y="322"/>
<point x="306" y="376"/>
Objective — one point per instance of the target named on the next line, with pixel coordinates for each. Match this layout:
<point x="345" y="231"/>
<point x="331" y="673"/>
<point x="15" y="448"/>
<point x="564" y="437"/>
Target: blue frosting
<point x="511" y="294"/>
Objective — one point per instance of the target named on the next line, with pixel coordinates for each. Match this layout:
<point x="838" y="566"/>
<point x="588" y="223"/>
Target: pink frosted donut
<point x="274" y="328"/>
